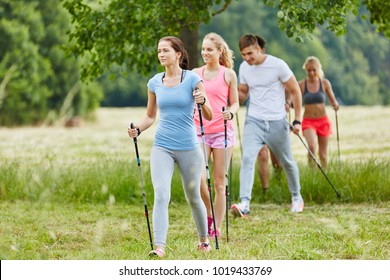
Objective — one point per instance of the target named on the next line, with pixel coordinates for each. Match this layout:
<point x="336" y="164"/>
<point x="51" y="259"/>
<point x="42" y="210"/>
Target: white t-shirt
<point x="266" y="90"/>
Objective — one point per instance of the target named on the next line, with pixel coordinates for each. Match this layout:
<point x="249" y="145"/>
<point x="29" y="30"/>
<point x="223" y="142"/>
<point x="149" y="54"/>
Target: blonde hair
<point x="227" y="55"/>
<point x="317" y="62"/>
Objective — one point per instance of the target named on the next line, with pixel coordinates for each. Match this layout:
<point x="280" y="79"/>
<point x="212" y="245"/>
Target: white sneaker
<point x="240" y="209"/>
<point x="297" y="205"/>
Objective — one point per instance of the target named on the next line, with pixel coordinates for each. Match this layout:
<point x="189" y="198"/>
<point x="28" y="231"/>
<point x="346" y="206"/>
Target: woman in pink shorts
<point x="220" y="82"/>
<point x="316" y="125"/>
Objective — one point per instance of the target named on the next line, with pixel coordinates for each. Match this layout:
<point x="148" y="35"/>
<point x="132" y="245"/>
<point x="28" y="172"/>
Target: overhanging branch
<point x="225" y="6"/>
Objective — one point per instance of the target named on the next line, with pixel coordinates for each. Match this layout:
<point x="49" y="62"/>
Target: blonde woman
<point x="316" y="125"/>
<point x="220" y="82"/>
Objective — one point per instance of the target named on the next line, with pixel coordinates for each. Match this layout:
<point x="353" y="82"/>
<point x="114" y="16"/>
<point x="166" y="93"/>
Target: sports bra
<point x="314" y="97"/>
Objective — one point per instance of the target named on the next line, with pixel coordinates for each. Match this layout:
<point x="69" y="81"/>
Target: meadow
<point x="74" y="193"/>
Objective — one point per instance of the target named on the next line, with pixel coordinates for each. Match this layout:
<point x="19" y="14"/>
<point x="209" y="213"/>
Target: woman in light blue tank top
<point x="173" y="93"/>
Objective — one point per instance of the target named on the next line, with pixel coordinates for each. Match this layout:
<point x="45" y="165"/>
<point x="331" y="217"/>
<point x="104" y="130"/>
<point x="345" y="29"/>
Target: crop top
<point x="314" y="97"/>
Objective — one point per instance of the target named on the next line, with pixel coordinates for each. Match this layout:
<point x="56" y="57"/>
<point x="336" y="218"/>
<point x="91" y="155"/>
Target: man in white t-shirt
<point x="265" y="78"/>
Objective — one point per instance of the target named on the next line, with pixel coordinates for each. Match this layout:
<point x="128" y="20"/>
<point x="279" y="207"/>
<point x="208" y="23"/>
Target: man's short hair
<point x="249" y="40"/>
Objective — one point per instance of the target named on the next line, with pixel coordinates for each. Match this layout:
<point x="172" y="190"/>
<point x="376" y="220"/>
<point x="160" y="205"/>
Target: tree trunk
<point x="190" y="40"/>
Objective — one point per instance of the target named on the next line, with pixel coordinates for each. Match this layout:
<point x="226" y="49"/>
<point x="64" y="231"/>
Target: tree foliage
<point x="23" y="68"/>
<point x="36" y="77"/>
<point x="297" y="18"/>
<point x="125" y="32"/>
<point x="379" y="14"/>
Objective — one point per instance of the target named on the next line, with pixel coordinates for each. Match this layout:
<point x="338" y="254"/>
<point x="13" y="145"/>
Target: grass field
<point x="74" y="193"/>
<point x="363" y="132"/>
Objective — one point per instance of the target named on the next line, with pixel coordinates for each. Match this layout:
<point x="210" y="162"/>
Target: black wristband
<point x="296" y="122"/>
<point x="204" y="101"/>
<point x="231" y="115"/>
<point x="138" y="131"/>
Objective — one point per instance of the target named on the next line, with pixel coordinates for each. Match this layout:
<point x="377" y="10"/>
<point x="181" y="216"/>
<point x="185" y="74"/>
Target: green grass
<point x="118" y="231"/>
<point x="76" y="194"/>
<point x="117" y="179"/>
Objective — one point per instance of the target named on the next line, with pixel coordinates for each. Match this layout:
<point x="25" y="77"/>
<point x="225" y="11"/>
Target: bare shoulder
<point x="196" y="70"/>
<point x="301" y="84"/>
<point x="230" y="72"/>
<point x="326" y="83"/>
<point x="230" y="76"/>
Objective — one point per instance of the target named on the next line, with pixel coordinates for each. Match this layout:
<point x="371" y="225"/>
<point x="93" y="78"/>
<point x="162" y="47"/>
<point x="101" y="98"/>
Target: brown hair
<point x="178" y="46"/>
<point x="249" y="40"/>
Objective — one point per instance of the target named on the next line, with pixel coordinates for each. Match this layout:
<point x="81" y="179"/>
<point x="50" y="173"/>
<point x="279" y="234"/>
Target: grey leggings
<point x="190" y="163"/>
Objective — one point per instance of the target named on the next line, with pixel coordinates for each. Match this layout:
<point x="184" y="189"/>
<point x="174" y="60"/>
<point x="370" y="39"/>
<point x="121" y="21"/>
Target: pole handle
<point x="132" y="127"/>
<point x="224" y="121"/>
<point x="200" y="115"/>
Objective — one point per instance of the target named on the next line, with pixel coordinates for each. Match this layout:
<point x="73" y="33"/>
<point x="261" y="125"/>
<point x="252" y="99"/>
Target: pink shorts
<point x="217" y="140"/>
<point x="322" y="126"/>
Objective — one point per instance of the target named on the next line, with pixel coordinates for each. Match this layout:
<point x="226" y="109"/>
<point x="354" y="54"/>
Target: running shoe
<point x="297" y="205"/>
<point x="204" y="247"/>
<point x="214" y="234"/>
<point x="159" y="252"/>
<point x="240" y="209"/>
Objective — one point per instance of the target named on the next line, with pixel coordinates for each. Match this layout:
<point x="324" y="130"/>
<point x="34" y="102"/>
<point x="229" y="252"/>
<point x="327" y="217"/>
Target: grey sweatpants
<point x="276" y="134"/>
<point x="190" y="163"/>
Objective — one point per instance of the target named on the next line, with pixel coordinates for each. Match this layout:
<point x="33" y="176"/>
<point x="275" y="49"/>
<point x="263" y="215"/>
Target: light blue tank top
<point x="175" y="129"/>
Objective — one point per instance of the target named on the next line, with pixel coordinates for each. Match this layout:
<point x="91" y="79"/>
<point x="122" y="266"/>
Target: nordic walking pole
<point x="143" y="188"/>
<point x="230" y="180"/>
<point x="226" y="179"/>
<point x="207" y="171"/>
<point x="239" y="133"/>
<point x="316" y="161"/>
<point x="338" y="139"/>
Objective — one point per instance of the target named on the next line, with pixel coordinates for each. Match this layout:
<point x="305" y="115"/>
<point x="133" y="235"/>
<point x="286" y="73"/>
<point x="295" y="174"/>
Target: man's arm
<point x="243" y="91"/>
<point x="293" y="89"/>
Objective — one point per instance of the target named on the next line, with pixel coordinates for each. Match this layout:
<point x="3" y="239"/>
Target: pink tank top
<point x="217" y="92"/>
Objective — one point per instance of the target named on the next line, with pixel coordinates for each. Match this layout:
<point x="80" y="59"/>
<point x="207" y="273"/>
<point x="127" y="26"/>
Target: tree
<point x="297" y="18"/>
<point x="125" y="32"/>
<point x="379" y="14"/>
<point x="22" y="68"/>
<point x="36" y="77"/>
